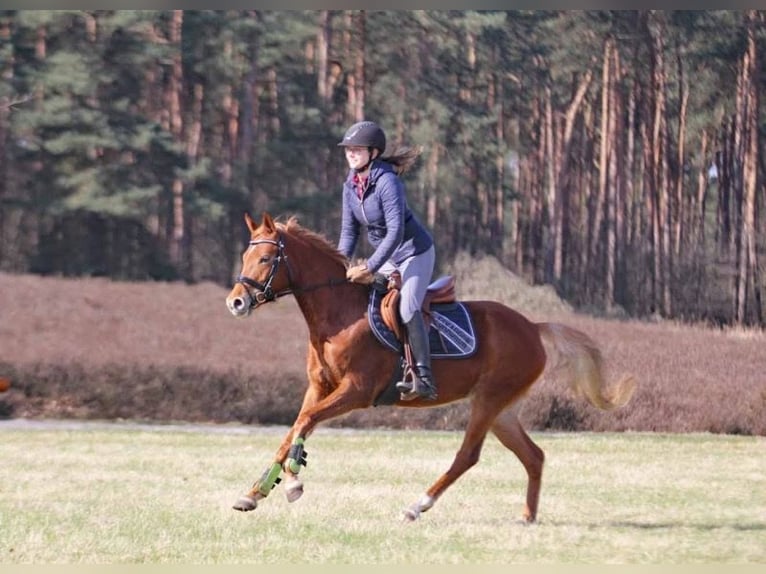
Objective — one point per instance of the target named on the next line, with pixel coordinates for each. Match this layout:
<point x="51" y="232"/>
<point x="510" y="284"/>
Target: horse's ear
<point x="250" y="223"/>
<point x="268" y="223"/>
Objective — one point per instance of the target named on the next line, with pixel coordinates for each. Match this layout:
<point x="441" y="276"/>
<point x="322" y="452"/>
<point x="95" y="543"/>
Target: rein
<point x="264" y="292"/>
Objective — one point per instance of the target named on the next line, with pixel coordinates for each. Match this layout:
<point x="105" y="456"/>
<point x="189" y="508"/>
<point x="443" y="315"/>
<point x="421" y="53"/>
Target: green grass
<point x="127" y="494"/>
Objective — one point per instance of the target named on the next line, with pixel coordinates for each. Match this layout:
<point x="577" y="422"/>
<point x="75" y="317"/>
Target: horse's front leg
<point x="291" y="455"/>
<point x="343" y="400"/>
<point x="316" y="390"/>
<point x="269" y="479"/>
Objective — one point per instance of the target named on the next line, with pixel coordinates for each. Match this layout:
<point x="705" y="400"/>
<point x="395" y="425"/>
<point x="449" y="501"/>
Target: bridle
<point x="264" y="292"/>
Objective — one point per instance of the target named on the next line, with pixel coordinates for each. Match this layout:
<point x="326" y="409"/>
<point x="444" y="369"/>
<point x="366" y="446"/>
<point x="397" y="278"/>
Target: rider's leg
<point x="422" y="384"/>
<point x="416" y="275"/>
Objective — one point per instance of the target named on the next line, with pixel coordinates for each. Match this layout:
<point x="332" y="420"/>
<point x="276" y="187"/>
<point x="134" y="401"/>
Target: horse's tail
<point x="582" y="359"/>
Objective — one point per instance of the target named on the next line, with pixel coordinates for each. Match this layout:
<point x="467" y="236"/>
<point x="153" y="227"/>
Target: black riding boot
<point x="422" y="383"/>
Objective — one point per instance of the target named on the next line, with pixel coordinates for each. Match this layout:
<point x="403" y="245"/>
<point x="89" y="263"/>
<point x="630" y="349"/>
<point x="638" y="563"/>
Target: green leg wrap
<point x="269" y="479"/>
<point x="296" y="457"/>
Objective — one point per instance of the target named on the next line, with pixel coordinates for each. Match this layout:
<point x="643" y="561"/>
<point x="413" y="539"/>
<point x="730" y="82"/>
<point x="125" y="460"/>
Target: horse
<point x="348" y="368"/>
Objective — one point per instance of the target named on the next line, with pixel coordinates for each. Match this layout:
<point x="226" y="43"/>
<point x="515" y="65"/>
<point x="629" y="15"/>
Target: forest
<point x="616" y="156"/>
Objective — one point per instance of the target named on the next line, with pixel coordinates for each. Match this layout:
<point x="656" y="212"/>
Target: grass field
<point x="120" y="493"/>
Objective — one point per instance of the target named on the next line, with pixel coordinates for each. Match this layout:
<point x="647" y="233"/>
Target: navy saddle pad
<point x="451" y="333"/>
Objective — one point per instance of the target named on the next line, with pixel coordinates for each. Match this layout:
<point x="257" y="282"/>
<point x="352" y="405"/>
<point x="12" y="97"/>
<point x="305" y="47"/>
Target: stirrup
<point x="417" y="388"/>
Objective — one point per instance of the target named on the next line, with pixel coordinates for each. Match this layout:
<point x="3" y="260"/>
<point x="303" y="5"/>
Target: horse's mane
<point x="313" y="238"/>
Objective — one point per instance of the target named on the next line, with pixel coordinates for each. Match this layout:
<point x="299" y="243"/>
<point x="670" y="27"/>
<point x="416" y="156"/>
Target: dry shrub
<point x="93" y="348"/>
<point x="483" y="277"/>
<point x="152" y="393"/>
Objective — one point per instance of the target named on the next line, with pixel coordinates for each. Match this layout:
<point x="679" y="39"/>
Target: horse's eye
<point x="264" y="259"/>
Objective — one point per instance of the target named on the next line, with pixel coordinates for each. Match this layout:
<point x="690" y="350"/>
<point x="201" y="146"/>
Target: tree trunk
<point x="698" y="209"/>
<point x="548" y="160"/>
<point x="613" y="215"/>
<point x="602" y="200"/>
<point x="563" y="184"/>
<point x="629" y="205"/>
<point x="747" y="274"/>
<point x="355" y="81"/>
<point x="173" y="98"/>
<point x="725" y="169"/>
<point x="535" y="181"/>
<point x="249" y="109"/>
<point x="6" y="72"/>
<point x="498" y="215"/>
<point x="586" y="194"/>
<point x="322" y="57"/>
<point x="679" y="212"/>
<point x="659" y="166"/>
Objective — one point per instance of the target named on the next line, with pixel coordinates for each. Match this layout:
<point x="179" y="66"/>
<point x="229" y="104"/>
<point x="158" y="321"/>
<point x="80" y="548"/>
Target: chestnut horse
<point x="348" y="367"/>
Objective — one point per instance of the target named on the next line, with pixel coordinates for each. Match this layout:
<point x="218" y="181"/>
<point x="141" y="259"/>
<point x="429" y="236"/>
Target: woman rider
<point x="374" y="198"/>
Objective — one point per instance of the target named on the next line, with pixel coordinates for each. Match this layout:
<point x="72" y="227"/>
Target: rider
<point x="374" y="197"/>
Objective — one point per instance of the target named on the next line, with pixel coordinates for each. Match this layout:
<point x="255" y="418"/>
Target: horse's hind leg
<point x="509" y="431"/>
<point x="482" y="415"/>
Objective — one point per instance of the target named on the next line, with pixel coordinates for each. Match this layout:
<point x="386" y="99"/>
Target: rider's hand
<point x="360" y="274"/>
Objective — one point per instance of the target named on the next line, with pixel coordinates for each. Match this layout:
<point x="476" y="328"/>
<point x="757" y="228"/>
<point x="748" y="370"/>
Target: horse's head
<point x="264" y="275"/>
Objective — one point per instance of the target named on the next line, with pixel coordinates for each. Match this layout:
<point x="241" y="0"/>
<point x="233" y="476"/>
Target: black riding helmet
<point x="365" y="134"/>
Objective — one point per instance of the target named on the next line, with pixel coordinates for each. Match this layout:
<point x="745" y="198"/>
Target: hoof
<point x="293" y="490"/>
<point x="246" y="503"/>
<point x="410" y="514"/>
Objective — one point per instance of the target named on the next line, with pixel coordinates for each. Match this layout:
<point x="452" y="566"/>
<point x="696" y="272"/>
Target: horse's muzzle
<point x="239" y="306"/>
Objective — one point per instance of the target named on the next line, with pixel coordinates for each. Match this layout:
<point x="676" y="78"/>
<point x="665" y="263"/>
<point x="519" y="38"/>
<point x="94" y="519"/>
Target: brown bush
<point x="94" y="348"/>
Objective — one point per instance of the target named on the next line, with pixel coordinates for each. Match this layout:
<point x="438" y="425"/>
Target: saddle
<point x="449" y="323"/>
<point x="440" y="291"/>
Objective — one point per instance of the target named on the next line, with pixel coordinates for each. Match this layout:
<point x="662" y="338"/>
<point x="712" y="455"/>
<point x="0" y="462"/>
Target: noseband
<point x="263" y="291"/>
